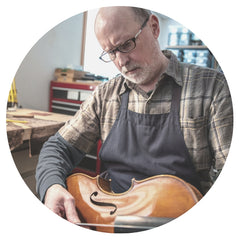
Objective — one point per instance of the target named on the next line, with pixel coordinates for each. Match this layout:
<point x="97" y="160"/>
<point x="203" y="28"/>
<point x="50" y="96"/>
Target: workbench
<point x="27" y="130"/>
<point x="32" y="126"/>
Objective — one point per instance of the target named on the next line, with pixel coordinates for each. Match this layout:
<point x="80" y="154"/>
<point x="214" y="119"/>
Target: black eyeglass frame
<point x="113" y="51"/>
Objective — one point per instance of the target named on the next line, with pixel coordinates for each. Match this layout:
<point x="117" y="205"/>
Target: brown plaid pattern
<point x="206" y="115"/>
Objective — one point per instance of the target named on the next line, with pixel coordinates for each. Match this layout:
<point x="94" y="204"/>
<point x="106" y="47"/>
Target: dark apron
<point x="143" y="145"/>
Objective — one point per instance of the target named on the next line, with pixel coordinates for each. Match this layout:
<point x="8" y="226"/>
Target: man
<point x="159" y="116"/>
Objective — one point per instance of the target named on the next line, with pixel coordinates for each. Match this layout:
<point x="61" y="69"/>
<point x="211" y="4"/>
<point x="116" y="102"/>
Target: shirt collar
<point x="173" y="70"/>
<point x="126" y="84"/>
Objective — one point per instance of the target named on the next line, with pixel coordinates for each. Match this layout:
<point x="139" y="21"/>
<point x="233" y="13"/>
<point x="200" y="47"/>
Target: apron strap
<point x="176" y="97"/>
<point x="124" y="100"/>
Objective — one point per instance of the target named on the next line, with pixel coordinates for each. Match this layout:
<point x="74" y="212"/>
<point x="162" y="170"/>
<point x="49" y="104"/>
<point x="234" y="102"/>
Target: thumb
<point x="71" y="212"/>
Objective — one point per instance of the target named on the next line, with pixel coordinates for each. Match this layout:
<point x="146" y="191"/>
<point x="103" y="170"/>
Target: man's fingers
<point x="70" y="211"/>
<point x="61" y="202"/>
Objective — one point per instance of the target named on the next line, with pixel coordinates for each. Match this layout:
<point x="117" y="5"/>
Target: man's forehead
<point x="113" y="29"/>
<point x="114" y="38"/>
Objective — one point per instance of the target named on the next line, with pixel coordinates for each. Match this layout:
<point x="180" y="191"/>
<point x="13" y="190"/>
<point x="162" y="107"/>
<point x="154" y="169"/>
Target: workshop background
<point x="60" y="72"/>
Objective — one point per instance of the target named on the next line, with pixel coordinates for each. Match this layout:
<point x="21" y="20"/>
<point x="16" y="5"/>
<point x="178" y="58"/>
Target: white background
<point x="23" y="23"/>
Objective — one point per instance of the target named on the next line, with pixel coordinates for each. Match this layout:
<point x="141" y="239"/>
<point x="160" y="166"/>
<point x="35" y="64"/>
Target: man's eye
<point x="111" y="53"/>
<point x="126" y="46"/>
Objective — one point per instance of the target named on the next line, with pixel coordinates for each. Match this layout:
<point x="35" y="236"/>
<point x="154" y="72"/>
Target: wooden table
<point x="33" y="126"/>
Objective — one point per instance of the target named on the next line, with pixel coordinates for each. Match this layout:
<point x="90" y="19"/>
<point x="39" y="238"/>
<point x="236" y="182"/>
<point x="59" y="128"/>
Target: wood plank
<point x="37" y="114"/>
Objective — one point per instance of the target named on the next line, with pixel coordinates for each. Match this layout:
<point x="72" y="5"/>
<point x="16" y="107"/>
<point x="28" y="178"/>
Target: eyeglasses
<point x="126" y="47"/>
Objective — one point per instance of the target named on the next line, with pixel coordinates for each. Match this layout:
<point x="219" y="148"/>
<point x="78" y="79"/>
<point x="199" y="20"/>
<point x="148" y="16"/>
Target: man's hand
<point x="61" y="202"/>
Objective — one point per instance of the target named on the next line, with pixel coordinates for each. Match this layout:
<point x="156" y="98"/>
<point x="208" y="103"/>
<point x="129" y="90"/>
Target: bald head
<point x="112" y="17"/>
<point x="109" y="17"/>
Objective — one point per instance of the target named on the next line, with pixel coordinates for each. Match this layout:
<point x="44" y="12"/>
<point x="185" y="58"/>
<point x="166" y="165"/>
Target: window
<point x="92" y="63"/>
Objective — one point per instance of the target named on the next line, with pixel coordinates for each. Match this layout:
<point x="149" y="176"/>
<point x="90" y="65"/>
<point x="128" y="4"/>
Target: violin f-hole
<point x="104" y="204"/>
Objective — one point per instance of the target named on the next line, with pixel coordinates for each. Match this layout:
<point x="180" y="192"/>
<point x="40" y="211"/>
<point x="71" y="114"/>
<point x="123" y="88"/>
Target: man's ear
<point x="154" y="24"/>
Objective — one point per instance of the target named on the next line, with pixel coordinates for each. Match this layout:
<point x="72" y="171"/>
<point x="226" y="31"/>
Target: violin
<point x="163" y="197"/>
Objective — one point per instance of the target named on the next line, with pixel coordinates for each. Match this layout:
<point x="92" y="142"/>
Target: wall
<point x="60" y="47"/>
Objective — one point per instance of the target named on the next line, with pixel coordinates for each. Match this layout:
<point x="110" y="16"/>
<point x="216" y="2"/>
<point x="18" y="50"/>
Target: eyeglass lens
<point x="124" y="48"/>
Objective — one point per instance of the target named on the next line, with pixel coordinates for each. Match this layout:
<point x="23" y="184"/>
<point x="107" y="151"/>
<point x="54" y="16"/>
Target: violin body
<point x="163" y="196"/>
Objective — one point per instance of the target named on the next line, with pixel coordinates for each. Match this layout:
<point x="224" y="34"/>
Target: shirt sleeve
<point x="220" y="122"/>
<point x="56" y="161"/>
<point x="83" y="130"/>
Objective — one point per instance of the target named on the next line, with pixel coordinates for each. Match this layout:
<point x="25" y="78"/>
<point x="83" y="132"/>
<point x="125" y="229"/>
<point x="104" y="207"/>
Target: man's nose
<point x="122" y="58"/>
